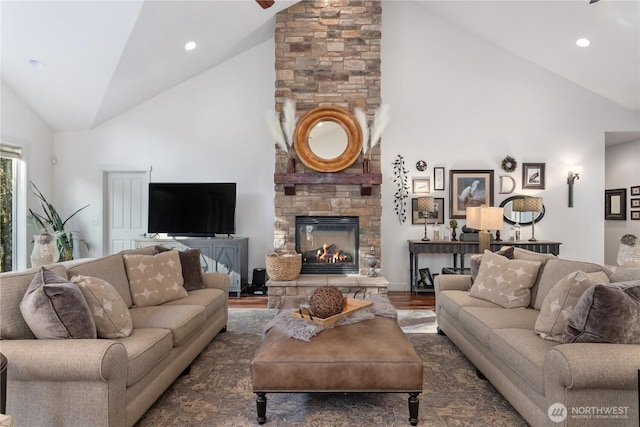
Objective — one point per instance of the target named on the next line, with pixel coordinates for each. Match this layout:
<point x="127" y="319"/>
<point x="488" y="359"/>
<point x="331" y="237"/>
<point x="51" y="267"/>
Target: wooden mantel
<point x="366" y="180"/>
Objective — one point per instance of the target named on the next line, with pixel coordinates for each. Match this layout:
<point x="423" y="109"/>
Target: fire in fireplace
<point x="328" y="244"/>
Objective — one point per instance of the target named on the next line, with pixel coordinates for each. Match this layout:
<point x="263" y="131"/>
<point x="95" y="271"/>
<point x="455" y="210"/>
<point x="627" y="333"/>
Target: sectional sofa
<point x="554" y="380"/>
<point x="98" y="381"/>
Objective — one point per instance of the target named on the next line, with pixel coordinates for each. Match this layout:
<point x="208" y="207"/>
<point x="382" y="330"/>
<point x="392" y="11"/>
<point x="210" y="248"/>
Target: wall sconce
<point x="484" y="218"/>
<point x="426" y="205"/>
<point x="571" y="177"/>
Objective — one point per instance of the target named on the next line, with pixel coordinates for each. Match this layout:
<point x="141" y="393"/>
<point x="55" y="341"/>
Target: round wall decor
<point x="509" y="164"/>
<point x="421" y="165"/>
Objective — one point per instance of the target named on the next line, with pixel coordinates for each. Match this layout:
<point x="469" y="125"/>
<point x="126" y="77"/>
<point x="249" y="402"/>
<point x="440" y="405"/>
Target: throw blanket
<point x="300" y="329"/>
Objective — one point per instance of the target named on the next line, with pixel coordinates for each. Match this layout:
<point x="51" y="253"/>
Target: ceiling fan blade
<point x="265" y="4"/>
<point x="593" y="1"/>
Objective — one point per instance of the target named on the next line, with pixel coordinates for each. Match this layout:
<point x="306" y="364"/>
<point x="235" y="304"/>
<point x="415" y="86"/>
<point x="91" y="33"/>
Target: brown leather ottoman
<point x="369" y="356"/>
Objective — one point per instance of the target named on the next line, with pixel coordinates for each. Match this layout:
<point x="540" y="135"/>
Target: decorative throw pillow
<point x="476" y="260"/>
<point x="191" y="269"/>
<point x="505" y="282"/>
<point x="560" y="301"/>
<point x="54" y="308"/>
<point x="606" y="314"/>
<point x="110" y="313"/>
<point x="154" y="279"/>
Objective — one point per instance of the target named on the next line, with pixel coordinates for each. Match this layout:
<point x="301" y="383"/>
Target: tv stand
<point x="219" y="254"/>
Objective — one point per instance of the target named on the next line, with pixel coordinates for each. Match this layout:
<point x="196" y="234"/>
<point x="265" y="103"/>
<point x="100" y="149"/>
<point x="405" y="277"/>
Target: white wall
<point x="21" y="126"/>
<point x="210" y="128"/>
<point x="456" y="101"/>
<point x="463" y="103"/>
<point x="622" y="171"/>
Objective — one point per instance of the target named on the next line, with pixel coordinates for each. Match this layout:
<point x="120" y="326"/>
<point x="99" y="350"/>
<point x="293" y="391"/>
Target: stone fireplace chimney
<point x="328" y="53"/>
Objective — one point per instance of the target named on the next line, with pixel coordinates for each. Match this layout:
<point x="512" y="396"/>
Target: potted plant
<point x="50" y="222"/>
<point x="453" y="224"/>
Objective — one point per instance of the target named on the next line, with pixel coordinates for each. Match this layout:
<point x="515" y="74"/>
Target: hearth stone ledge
<point x="307" y="283"/>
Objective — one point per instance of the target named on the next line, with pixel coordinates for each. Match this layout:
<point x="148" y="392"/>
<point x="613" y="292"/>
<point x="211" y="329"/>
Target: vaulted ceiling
<point x="78" y="63"/>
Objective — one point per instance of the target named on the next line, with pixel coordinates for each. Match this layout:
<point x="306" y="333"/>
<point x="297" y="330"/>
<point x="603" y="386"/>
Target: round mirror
<point x="328" y="139"/>
<point x="522" y="218"/>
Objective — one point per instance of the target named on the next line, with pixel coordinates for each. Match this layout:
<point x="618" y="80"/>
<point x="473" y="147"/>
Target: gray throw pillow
<point x="606" y="314"/>
<point x="54" y="308"/>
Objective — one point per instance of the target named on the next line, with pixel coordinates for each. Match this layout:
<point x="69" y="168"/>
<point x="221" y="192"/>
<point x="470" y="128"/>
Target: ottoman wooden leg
<point x="414" y="403"/>
<point x="261" y="404"/>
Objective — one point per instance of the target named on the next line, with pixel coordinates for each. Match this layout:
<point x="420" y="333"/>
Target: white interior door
<point x="127" y="194"/>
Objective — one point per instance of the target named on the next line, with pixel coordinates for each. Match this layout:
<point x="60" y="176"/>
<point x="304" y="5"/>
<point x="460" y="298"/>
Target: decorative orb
<point x="326" y="301"/>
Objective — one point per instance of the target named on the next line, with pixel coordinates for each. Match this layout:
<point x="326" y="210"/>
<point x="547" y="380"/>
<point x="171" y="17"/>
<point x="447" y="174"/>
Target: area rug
<point x="217" y="391"/>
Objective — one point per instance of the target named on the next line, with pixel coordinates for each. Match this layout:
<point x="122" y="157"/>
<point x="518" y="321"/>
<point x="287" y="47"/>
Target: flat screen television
<point x="192" y="209"/>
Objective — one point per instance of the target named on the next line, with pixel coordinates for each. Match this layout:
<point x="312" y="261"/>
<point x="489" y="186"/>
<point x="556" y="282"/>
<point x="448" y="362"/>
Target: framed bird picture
<point x="533" y="176"/>
<point x="469" y="188"/>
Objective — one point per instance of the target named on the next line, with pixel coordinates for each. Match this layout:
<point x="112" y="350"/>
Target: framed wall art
<point x="469" y="188"/>
<point x="438" y="179"/>
<point x="635" y="215"/>
<point x="635" y="203"/>
<point x="437" y="217"/>
<point x="533" y="176"/>
<point x="615" y="204"/>
<point x="635" y="191"/>
<point x="421" y="185"/>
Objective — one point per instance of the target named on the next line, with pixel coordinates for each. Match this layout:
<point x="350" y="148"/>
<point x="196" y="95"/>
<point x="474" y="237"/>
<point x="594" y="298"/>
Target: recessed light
<point x="36" y="65"/>
<point x="190" y="45"/>
<point x="583" y="42"/>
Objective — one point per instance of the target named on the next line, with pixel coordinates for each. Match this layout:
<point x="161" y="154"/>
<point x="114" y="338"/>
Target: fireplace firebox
<point x="328" y="244"/>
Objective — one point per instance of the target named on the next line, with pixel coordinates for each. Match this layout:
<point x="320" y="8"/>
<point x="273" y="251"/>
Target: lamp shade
<point x="532" y="204"/>
<point x="426" y="204"/>
<point x="518" y="205"/>
<point x="484" y="218"/>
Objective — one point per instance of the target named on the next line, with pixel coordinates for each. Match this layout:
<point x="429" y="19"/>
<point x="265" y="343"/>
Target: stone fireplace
<point x="328" y="244"/>
<point x="327" y="52"/>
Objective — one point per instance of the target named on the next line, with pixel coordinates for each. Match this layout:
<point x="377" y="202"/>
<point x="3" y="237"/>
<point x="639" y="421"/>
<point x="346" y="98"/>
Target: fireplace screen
<point x="328" y="244"/>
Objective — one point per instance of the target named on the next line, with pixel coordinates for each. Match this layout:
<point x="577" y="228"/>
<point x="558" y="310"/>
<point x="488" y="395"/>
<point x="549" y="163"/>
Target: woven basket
<point x="283" y="268"/>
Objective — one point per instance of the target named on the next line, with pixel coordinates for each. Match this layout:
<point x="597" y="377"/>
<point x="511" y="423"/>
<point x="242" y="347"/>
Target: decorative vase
<point x="365" y="165"/>
<point x="629" y="251"/>
<point x="453" y="234"/>
<point x="45" y="250"/>
<point x="291" y="166"/>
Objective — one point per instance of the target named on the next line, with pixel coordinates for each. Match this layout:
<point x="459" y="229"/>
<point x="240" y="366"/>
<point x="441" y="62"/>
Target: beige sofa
<point x="596" y="383"/>
<point x="104" y="382"/>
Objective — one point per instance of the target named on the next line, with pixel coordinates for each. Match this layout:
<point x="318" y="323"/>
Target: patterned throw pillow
<point x="476" y="260"/>
<point x="505" y="282"/>
<point x="560" y="301"/>
<point x="191" y="268"/>
<point x="110" y="313"/>
<point x="154" y="279"/>
<point x="54" y="308"/>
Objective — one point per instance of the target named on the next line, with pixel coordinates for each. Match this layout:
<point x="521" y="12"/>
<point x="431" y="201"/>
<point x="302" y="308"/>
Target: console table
<point x="417" y="247"/>
<point x="221" y="255"/>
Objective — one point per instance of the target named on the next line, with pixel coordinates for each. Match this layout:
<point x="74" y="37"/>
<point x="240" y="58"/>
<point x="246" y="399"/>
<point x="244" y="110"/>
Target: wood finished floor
<point x="401" y="300"/>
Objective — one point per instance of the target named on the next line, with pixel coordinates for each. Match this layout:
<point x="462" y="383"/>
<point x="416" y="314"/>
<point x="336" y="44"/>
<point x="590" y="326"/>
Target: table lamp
<point x="484" y="218"/>
<point x="426" y="205"/>
<point x="533" y="205"/>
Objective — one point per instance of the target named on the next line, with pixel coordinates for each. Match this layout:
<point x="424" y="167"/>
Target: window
<point x="9" y="163"/>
